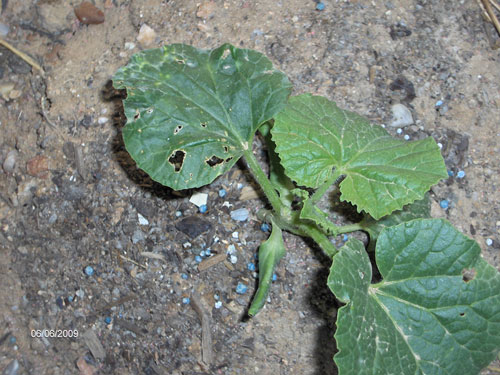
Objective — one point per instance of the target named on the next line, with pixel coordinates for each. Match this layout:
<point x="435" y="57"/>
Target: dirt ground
<point x="71" y="197"/>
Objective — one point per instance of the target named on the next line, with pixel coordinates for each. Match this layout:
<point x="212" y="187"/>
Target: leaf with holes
<point x="191" y="113"/>
<point x="382" y="174"/>
<point x="436" y="311"/>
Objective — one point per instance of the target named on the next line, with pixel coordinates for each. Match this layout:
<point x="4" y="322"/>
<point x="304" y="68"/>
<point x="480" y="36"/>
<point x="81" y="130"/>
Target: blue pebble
<point x="450" y="173"/>
<point x="222" y="193"/>
<point x="107" y="319"/>
<point x="89" y="271"/>
<point x="444" y="204"/>
<point x="198" y="259"/>
<point x="264" y="227"/>
<point x="208" y="252"/>
<point x="70" y="299"/>
<point x="186" y="300"/>
<point x="345" y="237"/>
<point x="275" y="277"/>
<point x="184" y="276"/>
<point x="60" y="302"/>
<point x="251" y="266"/>
<point x="241" y="288"/>
<point x="202" y="253"/>
<point x="12" y="340"/>
<point x="460" y="174"/>
<point x="320" y="6"/>
<point x="439" y="103"/>
<point x="203" y="208"/>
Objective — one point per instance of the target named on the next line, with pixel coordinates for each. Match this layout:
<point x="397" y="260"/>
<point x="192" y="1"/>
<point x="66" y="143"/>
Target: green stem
<point x="263" y="181"/>
<point x="324" y="187"/>
<point x="322" y="240"/>
<point x="349" y="228"/>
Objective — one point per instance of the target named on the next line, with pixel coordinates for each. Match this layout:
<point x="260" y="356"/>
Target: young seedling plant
<point x="192" y="113"/>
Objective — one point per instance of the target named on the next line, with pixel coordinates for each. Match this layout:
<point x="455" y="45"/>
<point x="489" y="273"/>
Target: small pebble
<point x="184" y="276"/>
<point x="4" y="29"/>
<point x="235" y="235"/>
<point x="70" y="299"/>
<point x="489" y="241"/>
<point x="216" y="297"/>
<point x="129" y="45"/>
<point x="264" y="227"/>
<point x="251" y="266"/>
<point x="444" y="204"/>
<point x="146" y="35"/>
<point x="218" y="304"/>
<point x="241" y="214"/>
<point x="89" y="14"/>
<point x="320" y="6"/>
<point x="439" y="103"/>
<point x="10" y="161"/>
<point x="199" y="199"/>
<point x="450" y="173"/>
<point x="178" y="213"/>
<point x="440" y="145"/>
<point x="12" y="340"/>
<point x="460" y="174"/>
<point x="275" y="277"/>
<point x="345" y="237"/>
<point x="406" y="137"/>
<point x="142" y="220"/>
<point x="401" y="116"/>
<point x="233" y="259"/>
<point x="198" y="259"/>
<point x="89" y="271"/>
<point x="186" y="300"/>
<point x="239" y="186"/>
<point x="102" y="120"/>
<point x="399" y="131"/>
<point x="208" y="252"/>
<point x="203" y="208"/>
<point x="241" y="288"/>
<point x="107" y="319"/>
<point x="222" y="193"/>
<point x="231" y="249"/>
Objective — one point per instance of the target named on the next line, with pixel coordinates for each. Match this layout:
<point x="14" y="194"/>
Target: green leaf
<point x="382" y="174"/>
<point x="311" y="212"/>
<point x="437" y="310"/>
<point x="191" y="112"/>
<point x="270" y="253"/>
<point x="420" y="209"/>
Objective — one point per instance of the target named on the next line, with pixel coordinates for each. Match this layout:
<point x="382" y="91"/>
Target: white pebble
<point x="10" y="161"/>
<point x="231" y="249"/>
<point x="406" y="137"/>
<point x="401" y="116"/>
<point x="146" y="35"/>
<point x="218" y="304"/>
<point x="178" y="213"/>
<point x="4" y="29"/>
<point x="102" y="120"/>
<point x="142" y="220"/>
<point x="199" y="199"/>
<point x="489" y="241"/>
<point x="399" y="131"/>
<point x="129" y="45"/>
<point x="186" y="245"/>
<point x="235" y="235"/>
<point x="440" y="145"/>
<point x="233" y="259"/>
<point x="241" y="214"/>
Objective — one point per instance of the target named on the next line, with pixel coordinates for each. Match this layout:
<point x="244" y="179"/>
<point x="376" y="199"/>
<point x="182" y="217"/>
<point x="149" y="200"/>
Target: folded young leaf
<point x="437" y="310"/>
<point x="315" y="214"/>
<point x="382" y="174"/>
<point x="191" y="112"/>
<point x="270" y="253"/>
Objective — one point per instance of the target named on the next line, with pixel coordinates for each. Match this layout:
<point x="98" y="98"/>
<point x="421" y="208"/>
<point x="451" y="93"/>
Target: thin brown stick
<point x="207" y="353"/>
<point x="22" y="55"/>
<point x="491" y="14"/>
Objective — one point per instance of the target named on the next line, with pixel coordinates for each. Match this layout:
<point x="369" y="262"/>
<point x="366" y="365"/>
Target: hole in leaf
<point x="149" y="110"/>
<point x="225" y="54"/>
<point x="180" y="61"/>
<point x="462" y="314"/>
<point x="468" y="274"/>
<point x="177" y="129"/>
<point x="213" y="161"/>
<point x="228" y="159"/>
<point x="177" y="159"/>
<point x="226" y="149"/>
<point x="137" y="115"/>
<point x="203" y="124"/>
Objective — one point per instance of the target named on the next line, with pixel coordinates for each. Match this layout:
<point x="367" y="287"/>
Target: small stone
<point x="231" y="249"/>
<point x="251" y="266"/>
<point x="107" y="320"/>
<point x="233" y="259"/>
<point x="199" y="199"/>
<point x="198" y="259"/>
<point x="241" y="214"/>
<point x="489" y="242"/>
<point x="186" y="300"/>
<point x="142" y="220"/>
<point x="89" y="271"/>
<point x="10" y="161"/>
<point x="401" y="116"/>
<point x="206" y="9"/>
<point x="264" y="227"/>
<point x="129" y="45"/>
<point x="460" y="174"/>
<point x="241" y="288"/>
<point x="4" y="29"/>
<point x="275" y="277"/>
<point x="193" y="226"/>
<point x="102" y="120"/>
<point x="399" y="131"/>
<point x="218" y="304"/>
<point x="138" y="236"/>
<point x="89" y="14"/>
<point x="203" y="208"/>
<point x="320" y="6"/>
<point x="146" y="35"/>
<point x="222" y="193"/>
<point x="178" y="213"/>
<point x="38" y="166"/>
<point x="184" y="276"/>
<point x="5" y="90"/>
<point x="235" y="235"/>
<point x="14" y="94"/>
<point x="406" y="137"/>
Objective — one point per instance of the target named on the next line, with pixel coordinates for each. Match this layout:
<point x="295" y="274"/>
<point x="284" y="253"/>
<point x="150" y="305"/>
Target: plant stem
<point x="349" y="228"/>
<point x="263" y="181"/>
<point x="322" y="240"/>
<point x="324" y="187"/>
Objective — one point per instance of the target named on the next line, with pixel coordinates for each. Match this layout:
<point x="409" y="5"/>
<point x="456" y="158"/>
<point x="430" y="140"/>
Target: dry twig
<point x="22" y="55"/>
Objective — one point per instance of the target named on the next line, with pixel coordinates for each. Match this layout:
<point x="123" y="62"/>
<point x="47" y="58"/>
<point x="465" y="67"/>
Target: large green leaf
<point x="420" y="209"/>
<point x="270" y="253"/>
<point x="437" y="310"/>
<point x="382" y="174"/>
<point x="191" y="112"/>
